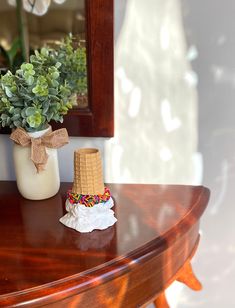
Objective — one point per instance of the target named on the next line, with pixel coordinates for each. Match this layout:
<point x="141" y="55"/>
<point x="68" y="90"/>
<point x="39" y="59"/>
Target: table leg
<point x="161" y="301"/>
<point x="187" y="276"/>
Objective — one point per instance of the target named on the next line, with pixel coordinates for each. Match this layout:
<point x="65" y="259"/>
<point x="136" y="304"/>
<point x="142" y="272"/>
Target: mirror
<point x="42" y="26"/>
<point x="91" y="23"/>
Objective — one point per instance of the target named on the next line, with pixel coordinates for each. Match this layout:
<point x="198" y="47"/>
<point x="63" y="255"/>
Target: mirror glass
<point x="46" y="23"/>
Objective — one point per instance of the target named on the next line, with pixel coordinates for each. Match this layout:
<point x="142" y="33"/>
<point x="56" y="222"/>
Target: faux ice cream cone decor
<point x="88" y="175"/>
<point x="89" y="202"/>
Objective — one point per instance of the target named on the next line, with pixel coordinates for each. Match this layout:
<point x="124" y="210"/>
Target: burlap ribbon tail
<point x="39" y="156"/>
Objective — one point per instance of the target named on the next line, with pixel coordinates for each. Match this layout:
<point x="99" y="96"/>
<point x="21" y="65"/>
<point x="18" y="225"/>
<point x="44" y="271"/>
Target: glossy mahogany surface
<point x="36" y="250"/>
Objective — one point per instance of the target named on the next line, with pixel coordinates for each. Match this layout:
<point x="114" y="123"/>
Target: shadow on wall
<point x="7" y="169"/>
<point x="155" y="97"/>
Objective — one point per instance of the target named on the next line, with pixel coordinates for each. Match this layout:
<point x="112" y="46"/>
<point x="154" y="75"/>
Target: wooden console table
<point x="44" y="263"/>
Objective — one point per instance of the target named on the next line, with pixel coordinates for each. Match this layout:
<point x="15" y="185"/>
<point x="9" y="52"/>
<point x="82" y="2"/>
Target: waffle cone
<point x="88" y="175"/>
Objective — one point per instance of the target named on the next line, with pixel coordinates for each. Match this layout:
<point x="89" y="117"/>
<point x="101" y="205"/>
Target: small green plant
<point x="41" y="90"/>
<point x="11" y="58"/>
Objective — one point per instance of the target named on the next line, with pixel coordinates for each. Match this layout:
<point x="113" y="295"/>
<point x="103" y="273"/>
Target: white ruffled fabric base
<point x="86" y="219"/>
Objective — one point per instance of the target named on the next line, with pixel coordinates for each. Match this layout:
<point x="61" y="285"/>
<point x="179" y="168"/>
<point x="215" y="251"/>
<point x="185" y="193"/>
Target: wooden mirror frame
<point x="98" y="119"/>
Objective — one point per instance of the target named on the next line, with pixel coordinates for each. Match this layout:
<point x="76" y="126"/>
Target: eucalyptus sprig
<point x="41" y="90"/>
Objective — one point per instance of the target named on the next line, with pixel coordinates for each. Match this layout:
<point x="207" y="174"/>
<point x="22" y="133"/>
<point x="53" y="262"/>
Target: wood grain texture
<point x="44" y="263"/>
<point x="98" y="119"/>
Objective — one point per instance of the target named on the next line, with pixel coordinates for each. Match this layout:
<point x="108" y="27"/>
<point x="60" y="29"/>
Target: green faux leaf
<point x="37" y="54"/>
<point x="30" y="111"/>
<point x="4" y="99"/>
<point x="55" y="83"/>
<point x="35" y="120"/>
<point x="3" y="116"/>
<point x="18" y="103"/>
<point x="13" y="51"/>
<point x="45" y="107"/>
<point x="44" y="52"/>
<point x="53" y="91"/>
<point x="8" y="121"/>
<point x="31" y="122"/>
<point x="11" y="110"/>
<point x="17" y="123"/>
<point x="69" y="105"/>
<point x="49" y="116"/>
<point x="55" y="75"/>
<point x="26" y="66"/>
<point x="8" y="92"/>
<point x="17" y="111"/>
<point x="27" y="96"/>
<point x="23" y="113"/>
<point x="58" y="65"/>
<point x="16" y="117"/>
<point x="30" y="80"/>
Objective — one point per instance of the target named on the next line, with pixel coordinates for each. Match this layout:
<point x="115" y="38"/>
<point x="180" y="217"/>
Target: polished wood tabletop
<point x="42" y="262"/>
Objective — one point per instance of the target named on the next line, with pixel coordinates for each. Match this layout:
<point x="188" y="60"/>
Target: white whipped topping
<point x="87" y="219"/>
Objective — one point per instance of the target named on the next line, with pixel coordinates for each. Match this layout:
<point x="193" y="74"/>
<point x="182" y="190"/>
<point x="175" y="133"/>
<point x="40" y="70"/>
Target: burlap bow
<point x="39" y="155"/>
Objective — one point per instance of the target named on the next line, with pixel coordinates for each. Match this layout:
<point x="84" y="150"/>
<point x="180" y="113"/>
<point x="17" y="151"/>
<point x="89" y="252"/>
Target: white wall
<point x="155" y="102"/>
<point x="210" y="27"/>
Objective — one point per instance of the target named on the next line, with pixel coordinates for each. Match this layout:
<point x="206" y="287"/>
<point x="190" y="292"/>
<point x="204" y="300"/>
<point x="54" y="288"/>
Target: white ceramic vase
<point x="33" y="185"/>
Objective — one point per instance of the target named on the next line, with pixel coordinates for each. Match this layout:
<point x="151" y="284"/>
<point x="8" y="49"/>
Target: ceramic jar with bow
<point x="36" y="162"/>
<point x="39" y="92"/>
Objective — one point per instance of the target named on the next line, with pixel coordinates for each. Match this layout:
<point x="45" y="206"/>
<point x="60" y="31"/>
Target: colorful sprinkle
<point x="88" y="200"/>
